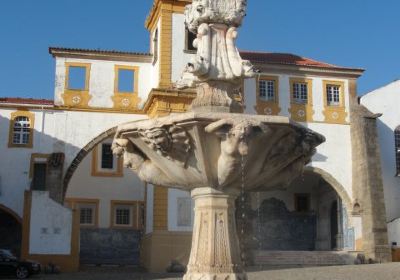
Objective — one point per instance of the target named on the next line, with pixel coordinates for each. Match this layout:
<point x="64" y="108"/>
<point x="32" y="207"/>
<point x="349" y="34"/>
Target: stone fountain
<point x="214" y="151"/>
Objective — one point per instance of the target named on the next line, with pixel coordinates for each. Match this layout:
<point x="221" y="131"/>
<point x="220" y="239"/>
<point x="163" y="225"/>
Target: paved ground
<point x="362" y="272"/>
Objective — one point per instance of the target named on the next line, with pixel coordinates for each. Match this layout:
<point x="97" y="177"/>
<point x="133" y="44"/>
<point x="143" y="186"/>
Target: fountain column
<point x="215" y="250"/>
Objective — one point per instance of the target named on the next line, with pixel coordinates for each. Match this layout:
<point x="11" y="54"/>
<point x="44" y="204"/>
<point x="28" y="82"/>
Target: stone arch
<point x="83" y="153"/>
<point x="10" y="230"/>
<point x="11" y="213"/>
<point x="338" y="187"/>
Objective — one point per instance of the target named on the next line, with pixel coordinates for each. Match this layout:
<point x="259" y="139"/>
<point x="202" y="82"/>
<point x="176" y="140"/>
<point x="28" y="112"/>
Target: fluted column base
<point x="215" y="253"/>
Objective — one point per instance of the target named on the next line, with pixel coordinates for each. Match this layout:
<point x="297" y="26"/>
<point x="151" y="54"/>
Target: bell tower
<point x="159" y="24"/>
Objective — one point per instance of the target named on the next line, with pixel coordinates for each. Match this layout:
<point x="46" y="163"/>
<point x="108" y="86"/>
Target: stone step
<point x="306" y="258"/>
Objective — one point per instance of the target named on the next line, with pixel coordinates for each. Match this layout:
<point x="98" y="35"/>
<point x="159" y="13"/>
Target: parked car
<point x="10" y="265"/>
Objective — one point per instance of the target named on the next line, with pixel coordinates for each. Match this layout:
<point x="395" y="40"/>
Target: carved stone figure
<point x="172" y="142"/>
<point x="236" y="137"/>
<point x="140" y="164"/>
<point x="217" y="59"/>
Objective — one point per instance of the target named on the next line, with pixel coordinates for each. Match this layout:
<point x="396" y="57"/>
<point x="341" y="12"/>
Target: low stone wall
<point x="109" y="246"/>
<point x="277" y="228"/>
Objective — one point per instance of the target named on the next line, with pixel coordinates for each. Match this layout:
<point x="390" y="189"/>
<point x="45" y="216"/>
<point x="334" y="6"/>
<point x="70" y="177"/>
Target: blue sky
<point x="356" y="33"/>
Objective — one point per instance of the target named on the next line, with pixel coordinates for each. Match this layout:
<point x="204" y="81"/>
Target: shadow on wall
<point x="391" y="182"/>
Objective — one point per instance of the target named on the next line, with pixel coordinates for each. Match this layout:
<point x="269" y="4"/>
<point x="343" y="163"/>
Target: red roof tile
<point x="288" y="59"/>
<point x="30" y="101"/>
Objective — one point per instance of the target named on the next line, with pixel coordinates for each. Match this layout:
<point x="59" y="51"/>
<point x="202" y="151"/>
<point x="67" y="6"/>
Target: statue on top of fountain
<point x="215" y="22"/>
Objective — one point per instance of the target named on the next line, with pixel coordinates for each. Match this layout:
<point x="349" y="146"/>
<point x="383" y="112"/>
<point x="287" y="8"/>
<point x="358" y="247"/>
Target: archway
<point x="110" y="202"/>
<point x="83" y="153"/>
<point x="10" y="230"/>
<point x="308" y="217"/>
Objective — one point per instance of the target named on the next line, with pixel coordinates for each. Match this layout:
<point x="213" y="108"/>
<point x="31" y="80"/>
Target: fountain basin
<point x="200" y="149"/>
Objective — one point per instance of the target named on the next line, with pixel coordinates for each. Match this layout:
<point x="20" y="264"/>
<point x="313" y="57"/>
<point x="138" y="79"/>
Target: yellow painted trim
<point x="31" y="117"/>
<point x="34" y="156"/>
<point x="176" y="6"/>
<point x="160" y="208"/>
<point x="268" y="107"/>
<point x="334" y="114"/>
<point x="135" y="222"/>
<point x="165" y="54"/>
<point x="97" y="173"/>
<point x="301" y="112"/>
<point x="73" y="203"/>
<point x="126" y="100"/>
<point x="73" y="97"/>
<point x="87" y="67"/>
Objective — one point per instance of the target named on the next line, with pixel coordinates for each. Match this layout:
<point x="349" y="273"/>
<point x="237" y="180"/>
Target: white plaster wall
<point x="173" y="196"/>
<point x="149" y="208"/>
<point x="50" y="226"/>
<point x="15" y="162"/>
<point x="318" y="93"/>
<point x="393" y="231"/>
<point x="386" y="100"/>
<point x="335" y="155"/>
<point x="250" y="87"/>
<point x="179" y="57"/>
<point x="156" y="67"/>
<point x="54" y="131"/>
<point x="101" y="83"/>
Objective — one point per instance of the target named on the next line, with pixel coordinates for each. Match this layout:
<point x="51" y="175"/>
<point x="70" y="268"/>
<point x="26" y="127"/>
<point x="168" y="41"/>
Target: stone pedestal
<point x="216" y="97"/>
<point x="215" y="253"/>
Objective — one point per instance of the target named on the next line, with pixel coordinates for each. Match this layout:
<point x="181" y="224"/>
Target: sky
<point x="354" y="33"/>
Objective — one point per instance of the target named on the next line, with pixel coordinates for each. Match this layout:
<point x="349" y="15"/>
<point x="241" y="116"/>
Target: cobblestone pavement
<point x="362" y="272"/>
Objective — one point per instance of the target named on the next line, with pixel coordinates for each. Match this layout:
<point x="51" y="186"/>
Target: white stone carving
<point x="217" y="59"/>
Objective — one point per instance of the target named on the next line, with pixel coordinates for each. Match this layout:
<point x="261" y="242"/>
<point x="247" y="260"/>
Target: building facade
<point x="68" y="200"/>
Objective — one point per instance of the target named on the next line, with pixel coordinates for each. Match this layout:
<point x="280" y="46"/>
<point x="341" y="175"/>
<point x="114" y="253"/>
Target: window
<point x="39" y="176"/>
<point x="77" y="76"/>
<point x="107" y="157"/>
<point x="104" y="163"/>
<point x="300" y="93"/>
<point x="397" y="146"/>
<point x="123" y="215"/>
<point x="189" y="40"/>
<point x="302" y="202"/>
<point x="88" y="210"/>
<point x="86" y="215"/>
<point x="21" y="130"/>
<point x="126" y="79"/>
<point x="128" y="214"/>
<point x="333" y="95"/>
<point x="155" y="47"/>
<point x="184" y="210"/>
<point x="267" y="90"/>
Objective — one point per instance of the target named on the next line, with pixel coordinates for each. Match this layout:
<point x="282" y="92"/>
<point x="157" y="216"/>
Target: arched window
<point x="21" y="129"/>
<point x="397" y="146"/>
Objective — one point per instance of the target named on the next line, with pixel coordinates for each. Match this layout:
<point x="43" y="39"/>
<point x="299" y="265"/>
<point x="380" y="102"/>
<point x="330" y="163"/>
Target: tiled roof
<point x="91" y="51"/>
<point x="289" y="59"/>
<point x="30" y="101"/>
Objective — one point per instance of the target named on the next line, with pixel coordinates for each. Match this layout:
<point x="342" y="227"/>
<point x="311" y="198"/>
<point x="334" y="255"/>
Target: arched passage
<point x="311" y="214"/>
<point x="10" y="230"/>
<point x="334" y="184"/>
<point x="83" y="153"/>
<point x="110" y="201"/>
